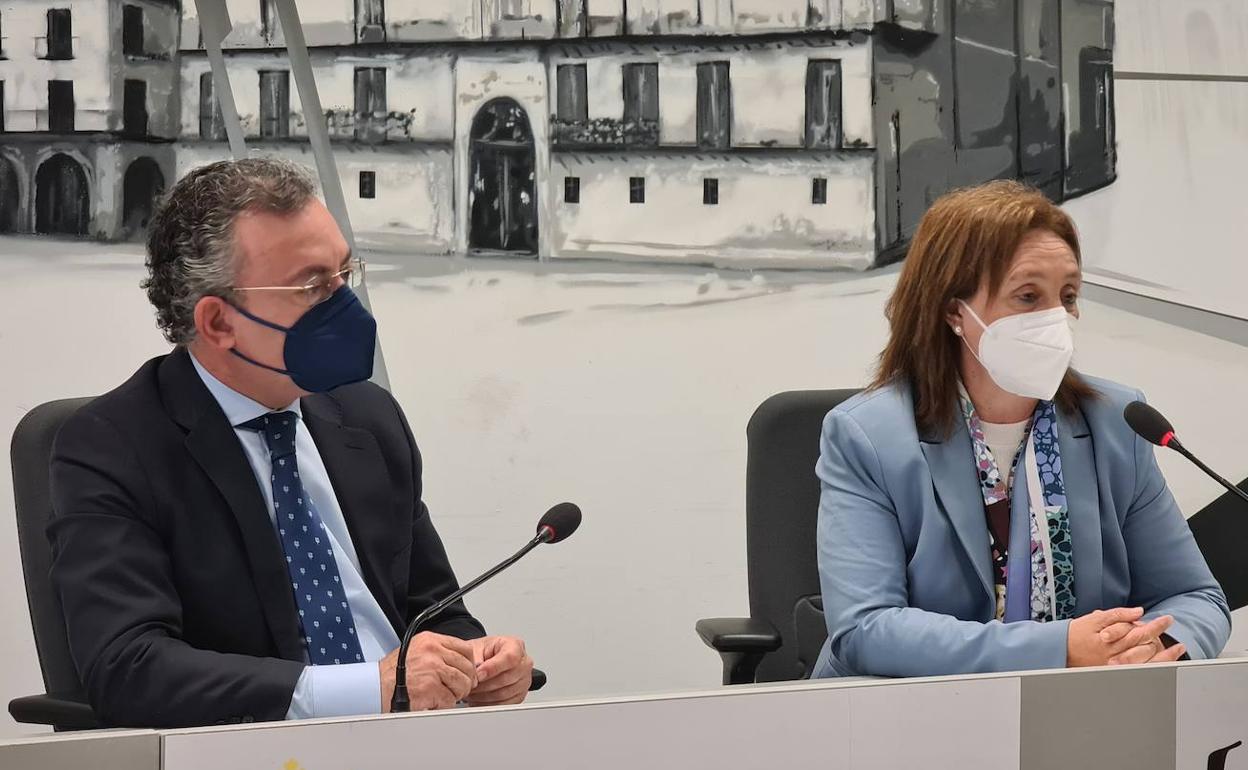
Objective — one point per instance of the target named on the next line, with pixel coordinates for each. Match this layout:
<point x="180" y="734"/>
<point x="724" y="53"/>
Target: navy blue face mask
<point x="329" y="346"/>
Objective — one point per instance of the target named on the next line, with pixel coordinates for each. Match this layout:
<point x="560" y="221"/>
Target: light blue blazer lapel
<point x="1083" y="504"/>
<point x="951" y="462"/>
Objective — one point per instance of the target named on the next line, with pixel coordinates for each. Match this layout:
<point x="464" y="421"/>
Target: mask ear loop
<point x="254" y="362"/>
<point x="959" y="332"/>
<point x="974" y="315"/>
<point x="259" y="320"/>
<point x="262" y="322"/>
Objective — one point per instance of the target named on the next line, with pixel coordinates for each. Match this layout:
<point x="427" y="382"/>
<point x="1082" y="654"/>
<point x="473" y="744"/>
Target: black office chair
<point x="782" y="637"/>
<point x="785" y="631"/>
<point x="1221" y="531"/>
<point x="65" y="704"/>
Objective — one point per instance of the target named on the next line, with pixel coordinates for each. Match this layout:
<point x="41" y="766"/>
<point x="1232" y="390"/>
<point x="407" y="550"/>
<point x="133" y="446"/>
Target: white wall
<point x="768" y="15"/>
<point x="1207" y="37"/>
<point x="411" y="212"/>
<point x="26" y="76"/>
<point x="1174" y="225"/>
<point x="624" y="389"/>
<point x="423" y="20"/>
<point x="428" y="19"/>
<point x="765" y="216"/>
<point x="419" y="86"/>
<point x="325" y="22"/>
<point x="768" y="93"/>
<point x="669" y="15"/>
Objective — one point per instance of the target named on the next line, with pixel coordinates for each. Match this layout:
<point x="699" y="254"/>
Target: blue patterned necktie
<point x="328" y="627"/>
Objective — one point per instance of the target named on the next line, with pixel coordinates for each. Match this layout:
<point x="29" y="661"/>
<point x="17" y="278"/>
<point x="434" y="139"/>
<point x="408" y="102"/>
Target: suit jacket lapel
<point x="358" y="474"/>
<point x="1083" y="507"/>
<point x="212" y="442"/>
<point x="958" y="493"/>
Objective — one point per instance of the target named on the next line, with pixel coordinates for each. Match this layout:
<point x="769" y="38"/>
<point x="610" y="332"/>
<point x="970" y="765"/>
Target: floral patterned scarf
<point x="1052" y="594"/>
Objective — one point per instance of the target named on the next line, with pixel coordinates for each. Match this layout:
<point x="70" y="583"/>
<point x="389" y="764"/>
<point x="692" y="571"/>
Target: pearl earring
<point x="957" y="330"/>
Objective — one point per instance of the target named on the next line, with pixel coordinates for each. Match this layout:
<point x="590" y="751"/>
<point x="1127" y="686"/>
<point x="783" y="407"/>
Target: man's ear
<point x="214" y="322"/>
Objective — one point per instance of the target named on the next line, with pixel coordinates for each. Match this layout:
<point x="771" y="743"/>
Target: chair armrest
<point x="539" y="680"/>
<point x="739" y="634"/>
<point x="741" y="643"/>
<point x="61" y="713"/>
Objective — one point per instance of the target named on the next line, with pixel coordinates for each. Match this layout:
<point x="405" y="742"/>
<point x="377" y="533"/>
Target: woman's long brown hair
<point x="967" y="237"/>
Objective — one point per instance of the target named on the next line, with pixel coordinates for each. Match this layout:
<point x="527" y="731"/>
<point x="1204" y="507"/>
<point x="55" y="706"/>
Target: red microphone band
<point x="1166" y="439"/>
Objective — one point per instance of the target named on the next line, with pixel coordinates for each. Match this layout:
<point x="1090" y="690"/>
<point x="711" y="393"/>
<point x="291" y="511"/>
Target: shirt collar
<point x="237" y="407"/>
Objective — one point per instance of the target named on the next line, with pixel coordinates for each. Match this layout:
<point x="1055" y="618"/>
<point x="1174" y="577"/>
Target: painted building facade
<point x="88" y="107"/>
<point x="785" y="133"/>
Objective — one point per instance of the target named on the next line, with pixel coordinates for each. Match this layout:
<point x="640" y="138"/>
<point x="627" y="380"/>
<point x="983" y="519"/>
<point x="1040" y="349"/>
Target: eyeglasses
<point x="321" y="288"/>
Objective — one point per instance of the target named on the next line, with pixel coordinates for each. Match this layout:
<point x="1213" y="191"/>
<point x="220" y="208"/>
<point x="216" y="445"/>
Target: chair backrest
<point x="30" y="455"/>
<point x="1221" y="530"/>
<point x="781" y="510"/>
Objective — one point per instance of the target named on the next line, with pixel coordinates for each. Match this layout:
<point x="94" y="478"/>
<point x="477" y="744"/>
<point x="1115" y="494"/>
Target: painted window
<point x="641" y="92"/>
<point x="270" y="23"/>
<point x="819" y="191"/>
<point x="572" y="101"/>
<point x="370" y="103"/>
<point x="134" y="108"/>
<point x="637" y="189"/>
<point x="60" y="34"/>
<point x="274" y="104"/>
<point x="370" y="21"/>
<point x="132" y="30"/>
<point x="823" y="104"/>
<point x="211" y="125"/>
<point x="60" y="106"/>
<point x="710" y="192"/>
<point x="571" y="189"/>
<point x="572" y="18"/>
<point x="368" y="184"/>
<point x="714" y="106"/>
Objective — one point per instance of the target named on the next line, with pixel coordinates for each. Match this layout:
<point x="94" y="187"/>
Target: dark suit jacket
<point x="173" y="581"/>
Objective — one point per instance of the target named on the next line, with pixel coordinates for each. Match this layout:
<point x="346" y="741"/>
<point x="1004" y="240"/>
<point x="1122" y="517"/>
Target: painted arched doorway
<point x="62" y="202"/>
<point x="502" y="188"/>
<point x="141" y="189"/>
<point x="10" y="197"/>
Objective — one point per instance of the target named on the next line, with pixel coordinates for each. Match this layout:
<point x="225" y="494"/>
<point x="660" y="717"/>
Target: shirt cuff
<point x="343" y="690"/>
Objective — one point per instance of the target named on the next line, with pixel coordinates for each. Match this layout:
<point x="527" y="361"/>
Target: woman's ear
<point x="953" y="317"/>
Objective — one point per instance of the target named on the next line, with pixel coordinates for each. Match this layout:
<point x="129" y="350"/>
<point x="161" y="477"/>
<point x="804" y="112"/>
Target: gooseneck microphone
<point x="558" y="524"/>
<point x="1151" y="426"/>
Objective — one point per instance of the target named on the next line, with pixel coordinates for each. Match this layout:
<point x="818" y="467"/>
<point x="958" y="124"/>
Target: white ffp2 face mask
<point x="1027" y="354"/>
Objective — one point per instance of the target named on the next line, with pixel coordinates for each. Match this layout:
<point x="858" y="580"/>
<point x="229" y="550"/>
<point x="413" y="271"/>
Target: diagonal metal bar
<point x="314" y="116"/>
<point x="215" y="25"/>
<point x="322" y="152"/>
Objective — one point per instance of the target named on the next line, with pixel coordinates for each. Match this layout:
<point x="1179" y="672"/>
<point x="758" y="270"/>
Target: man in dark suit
<point x="238" y="531"/>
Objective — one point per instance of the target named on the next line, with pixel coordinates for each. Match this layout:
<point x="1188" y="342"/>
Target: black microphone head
<point x="559" y="522"/>
<point x="1149" y="423"/>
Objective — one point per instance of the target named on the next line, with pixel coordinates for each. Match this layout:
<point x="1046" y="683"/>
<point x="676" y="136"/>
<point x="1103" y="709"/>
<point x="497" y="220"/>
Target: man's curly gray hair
<point x="190" y="243"/>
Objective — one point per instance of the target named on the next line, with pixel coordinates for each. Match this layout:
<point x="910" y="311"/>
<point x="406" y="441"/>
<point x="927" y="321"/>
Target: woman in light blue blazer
<point x="985" y="507"/>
